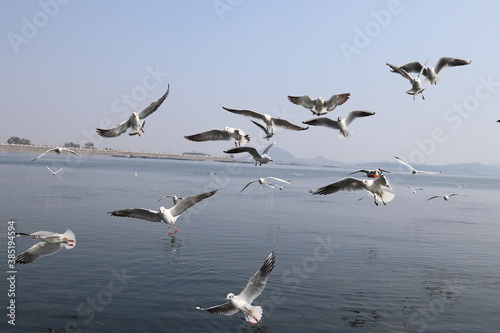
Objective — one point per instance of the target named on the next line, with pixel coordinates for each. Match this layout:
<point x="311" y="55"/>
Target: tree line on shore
<point x="15" y="140"/>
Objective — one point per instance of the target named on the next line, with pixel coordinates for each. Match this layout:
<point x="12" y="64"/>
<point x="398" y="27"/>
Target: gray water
<point x="342" y="265"/>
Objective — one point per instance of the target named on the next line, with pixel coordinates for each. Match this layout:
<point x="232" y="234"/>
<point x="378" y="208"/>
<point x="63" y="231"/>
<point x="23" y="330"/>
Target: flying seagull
<point x="263" y="183"/>
<point x="263" y="158"/>
<point x="173" y="196"/>
<point x="445" y="197"/>
<point x="375" y="187"/>
<point x="134" y="122"/>
<point x="169" y="216"/>
<point x="431" y="73"/>
<point x="413" y="170"/>
<point x="51" y="243"/>
<point x="53" y="172"/>
<point x="371" y="173"/>
<point x="270" y="122"/>
<point x="414" y="190"/>
<point x="320" y="106"/>
<point x="243" y="301"/>
<point x="228" y="133"/>
<point x="416" y="84"/>
<point x="341" y="123"/>
<point x="58" y="151"/>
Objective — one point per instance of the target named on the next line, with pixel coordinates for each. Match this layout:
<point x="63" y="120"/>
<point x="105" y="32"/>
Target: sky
<point x="69" y="67"/>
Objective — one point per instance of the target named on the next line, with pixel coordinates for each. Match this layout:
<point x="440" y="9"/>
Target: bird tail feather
<point x="254" y="315"/>
<point x="71" y="236"/>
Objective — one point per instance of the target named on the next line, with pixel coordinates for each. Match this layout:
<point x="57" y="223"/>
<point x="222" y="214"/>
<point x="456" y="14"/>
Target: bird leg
<point x="142" y="127"/>
<point x="175" y="229"/>
<point x="169" y="233"/>
<point x="375" y="201"/>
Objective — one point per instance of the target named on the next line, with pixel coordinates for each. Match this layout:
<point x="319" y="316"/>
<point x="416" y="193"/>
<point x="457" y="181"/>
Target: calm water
<point x="342" y="265"/>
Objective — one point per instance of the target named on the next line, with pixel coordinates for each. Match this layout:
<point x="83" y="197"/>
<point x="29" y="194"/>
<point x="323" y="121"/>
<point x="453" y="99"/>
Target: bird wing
<point x="265" y="151"/>
<point x="258" y="281"/>
<point x="402" y="72"/>
<point x="52" y="149"/>
<point x="360" y="170"/>
<point x="336" y="100"/>
<point x="345" y="184"/>
<point x="138" y="213"/>
<point x="404" y="163"/>
<point x="449" y="62"/>
<point x="357" y="114"/>
<point x="115" y="131"/>
<point x="304" y="101"/>
<point x="227" y="309"/>
<point x="280" y="180"/>
<point x="36" y="251"/>
<point x="181" y="206"/>
<point x="246" y="113"/>
<point x="457" y="194"/>
<point x="51" y="170"/>
<point x="288" y="125"/>
<point x="153" y="106"/>
<point x="71" y="151"/>
<point x="40" y="234"/>
<point x="251" y="150"/>
<point x="165" y="196"/>
<point x="429" y="172"/>
<point x="262" y="127"/>
<point x="211" y="135"/>
<point x="251" y="182"/>
<point x="434" y="197"/>
<point x="383" y="182"/>
<point x="411" y="67"/>
<point x="322" y="121"/>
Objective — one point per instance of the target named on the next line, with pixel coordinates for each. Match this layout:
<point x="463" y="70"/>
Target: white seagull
<point x="134" y="122"/>
<point x="173" y="196"/>
<point x="375" y="187"/>
<point x="263" y="158"/>
<point x="371" y="173"/>
<point x="414" y="190"/>
<point x="51" y="243"/>
<point x="445" y="197"/>
<point x="58" y="151"/>
<point x="270" y="122"/>
<point x="416" y="84"/>
<point x="263" y="183"/>
<point x="431" y="73"/>
<point x="413" y="170"/>
<point x="169" y="216"/>
<point x="243" y="301"/>
<point x="320" y="106"/>
<point x="53" y="172"/>
<point x="341" y="123"/>
<point x="228" y="133"/>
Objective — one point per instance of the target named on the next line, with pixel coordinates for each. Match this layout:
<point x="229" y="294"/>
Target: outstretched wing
<point x="264" y="128"/>
<point x="357" y="114"/>
<point x="115" y="131"/>
<point x="52" y="149"/>
<point x="246" y="113"/>
<point x="153" y="106"/>
<point x="434" y="197"/>
<point x="265" y="151"/>
<point x="251" y="182"/>
<point x="138" y="213"/>
<point x="251" y="150"/>
<point x="360" y="170"/>
<point x="226" y="309"/>
<point x="288" y="125"/>
<point x="404" y="163"/>
<point x="411" y="67"/>
<point x="258" y="281"/>
<point x="322" y="121"/>
<point x="212" y="135"/>
<point x="336" y="100"/>
<point x="449" y="62"/>
<point x="402" y="72"/>
<point x="188" y="202"/>
<point x="72" y="152"/>
<point x="383" y="182"/>
<point x="280" y="180"/>
<point x="36" y="251"/>
<point x="304" y="101"/>
<point x="345" y="184"/>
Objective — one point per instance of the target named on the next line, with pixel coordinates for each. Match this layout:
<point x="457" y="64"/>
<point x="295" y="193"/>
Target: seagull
<point x="413" y="170"/>
<point x="339" y="124"/>
<point x="228" y="133"/>
<point x="53" y="172"/>
<point x="58" y="151"/>
<point x="375" y="187"/>
<point x="169" y="216"/>
<point x="51" y="243"/>
<point x="416" y="84"/>
<point x="262" y="181"/>
<point x="431" y="73"/>
<point x="270" y="122"/>
<point x="445" y="197"/>
<point x="414" y="190"/>
<point x="371" y="173"/>
<point x="320" y="106"/>
<point x="134" y="122"/>
<point x="298" y="174"/>
<point x="243" y="301"/>
<point x="173" y="196"/>
<point x="263" y="158"/>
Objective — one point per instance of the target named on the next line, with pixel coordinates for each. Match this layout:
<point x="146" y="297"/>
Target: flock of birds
<point x="375" y="183"/>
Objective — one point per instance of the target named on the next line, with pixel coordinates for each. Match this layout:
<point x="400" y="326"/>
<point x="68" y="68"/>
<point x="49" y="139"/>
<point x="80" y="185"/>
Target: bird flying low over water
<point x="262" y="181"/>
<point x="51" y="243"/>
<point x="416" y="84"/>
<point x="169" y="216"/>
<point x="431" y="73"/>
<point x="243" y="301"/>
<point x="173" y="196"/>
<point x="58" y="151"/>
<point x="445" y="197"/>
<point x="371" y="173"/>
<point x="53" y="172"/>
<point x="375" y="187"/>
<point x="270" y="122"/>
<point x="341" y="123"/>
<point x="413" y="170"/>
<point x="228" y="133"/>
<point x="320" y="106"/>
<point x="263" y="158"/>
<point x="134" y="121"/>
<point x="414" y="190"/>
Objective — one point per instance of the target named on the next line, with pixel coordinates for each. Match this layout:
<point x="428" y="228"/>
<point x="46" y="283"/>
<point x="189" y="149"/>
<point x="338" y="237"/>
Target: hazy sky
<point x="71" y="66"/>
